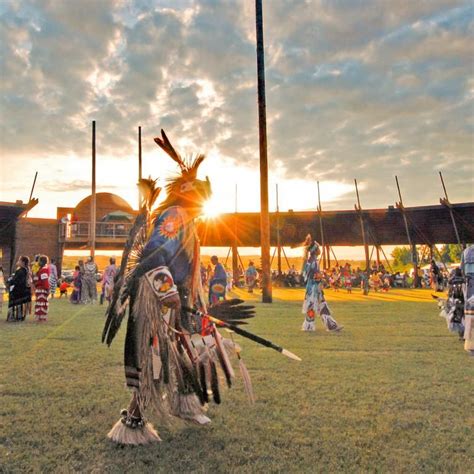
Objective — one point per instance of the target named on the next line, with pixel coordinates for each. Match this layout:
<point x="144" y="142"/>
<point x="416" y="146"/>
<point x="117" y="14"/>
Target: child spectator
<point x="63" y="289"/>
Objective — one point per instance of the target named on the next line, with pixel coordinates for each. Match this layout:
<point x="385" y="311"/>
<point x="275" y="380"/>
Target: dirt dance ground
<point x="391" y="393"/>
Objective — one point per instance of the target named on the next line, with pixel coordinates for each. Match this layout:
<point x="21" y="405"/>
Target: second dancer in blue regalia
<point x="314" y="302"/>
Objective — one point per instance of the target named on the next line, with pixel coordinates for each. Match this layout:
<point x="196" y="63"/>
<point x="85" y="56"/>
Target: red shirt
<point x="41" y="279"/>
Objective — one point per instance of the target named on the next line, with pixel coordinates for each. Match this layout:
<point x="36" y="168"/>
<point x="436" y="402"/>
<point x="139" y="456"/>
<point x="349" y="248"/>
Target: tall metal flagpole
<point x="262" y="125"/>
<point x="93" y="200"/>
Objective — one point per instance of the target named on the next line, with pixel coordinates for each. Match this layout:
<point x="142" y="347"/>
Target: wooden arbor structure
<point x="427" y="225"/>
<point x="10" y="214"/>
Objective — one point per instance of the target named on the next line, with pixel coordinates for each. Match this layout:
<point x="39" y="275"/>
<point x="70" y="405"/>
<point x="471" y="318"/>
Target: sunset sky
<point x="355" y="89"/>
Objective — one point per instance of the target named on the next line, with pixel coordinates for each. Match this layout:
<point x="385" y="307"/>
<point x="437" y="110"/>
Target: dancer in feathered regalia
<point x="171" y="355"/>
<point x="467" y="268"/>
<point x="314" y="302"/>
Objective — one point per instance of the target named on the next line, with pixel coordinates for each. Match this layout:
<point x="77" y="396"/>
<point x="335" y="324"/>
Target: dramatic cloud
<point x="360" y="90"/>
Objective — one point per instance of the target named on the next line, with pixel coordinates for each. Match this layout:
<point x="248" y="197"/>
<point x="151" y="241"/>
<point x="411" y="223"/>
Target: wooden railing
<point x="103" y="230"/>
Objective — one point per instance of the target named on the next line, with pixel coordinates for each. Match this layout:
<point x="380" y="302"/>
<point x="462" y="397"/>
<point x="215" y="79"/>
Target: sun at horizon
<point x="211" y="209"/>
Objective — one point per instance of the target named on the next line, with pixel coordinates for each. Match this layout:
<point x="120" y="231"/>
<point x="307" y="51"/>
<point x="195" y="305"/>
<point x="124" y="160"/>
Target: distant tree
<point x="401" y="256"/>
<point x="444" y="254"/>
<point x="451" y="253"/>
<point x="425" y="254"/>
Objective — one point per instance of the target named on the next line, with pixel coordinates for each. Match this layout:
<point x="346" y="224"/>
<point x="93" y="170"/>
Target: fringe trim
<point x="187" y="406"/>
<point x="122" y="434"/>
<point x="147" y="312"/>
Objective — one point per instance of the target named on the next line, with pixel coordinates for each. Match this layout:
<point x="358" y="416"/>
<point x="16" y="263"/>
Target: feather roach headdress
<point x="185" y="189"/>
<point x="311" y="247"/>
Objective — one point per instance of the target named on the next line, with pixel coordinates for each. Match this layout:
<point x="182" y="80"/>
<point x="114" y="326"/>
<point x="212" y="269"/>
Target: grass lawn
<point x="391" y="393"/>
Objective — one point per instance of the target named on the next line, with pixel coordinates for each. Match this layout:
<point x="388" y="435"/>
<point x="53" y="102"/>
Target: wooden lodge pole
<point x="386" y="259"/>
<point x="93" y="200"/>
<point x="32" y="189"/>
<point x="278" y="232"/>
<point x="320" y="213"/>
<point x="262" y="125"/>
<point x="140" y="197"/>
<point x="235" y="251"/>
<point x="377" y="256"/>
<point x="445" y="202"/>
<point x="412" y="245"/>
<point x="364" y="241"/>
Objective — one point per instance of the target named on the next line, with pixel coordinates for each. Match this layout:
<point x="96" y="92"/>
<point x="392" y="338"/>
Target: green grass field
<point x="391" y="393"/>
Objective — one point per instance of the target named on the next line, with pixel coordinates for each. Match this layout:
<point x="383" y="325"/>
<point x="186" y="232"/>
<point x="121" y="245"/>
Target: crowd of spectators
<point x="34" y="282"/>
<point x="344" y="277"/>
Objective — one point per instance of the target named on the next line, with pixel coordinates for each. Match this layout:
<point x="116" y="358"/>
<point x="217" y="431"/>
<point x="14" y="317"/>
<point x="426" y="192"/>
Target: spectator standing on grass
<point x="19" y="291"/>
<point x="2" y="288"/>
<point x="218" y="282"/>
<point x="33" y="270"/>
<point x="203" y="271"/>
<point x="467" y="268"/>
<point x="76" y="286"/>
<point x="35" y="265"/>
<point x="347" y="275"/>
<point x="229" y="277"/>
<point x="89" y="282"/>
<point x="108" y="281"/>
<point x="53" y="277"/>
<point x="41" y="283"/>
<point x="250" y="277"/>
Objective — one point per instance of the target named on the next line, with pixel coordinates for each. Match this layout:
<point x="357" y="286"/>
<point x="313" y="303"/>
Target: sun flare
<point x="210" y="210"/>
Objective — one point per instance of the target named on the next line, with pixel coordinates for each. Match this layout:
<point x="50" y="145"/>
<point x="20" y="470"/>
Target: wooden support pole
<point x="371" y="255"/>
<point x="227" y="256"/>
<point x="32" y="189"/>
<point x="386" y="259"/>
<point x="273" y="256"/>
<point x="320" y="213"/>
<point x="235" y="252"/>
<point x="93" y="200"/>
<point x="445" y="202"/>
<point x="334" y="255"/>
<point x="235" y="263"/>
<point x="140" y="197"/>
<point x="364" y="241"/>
<point x="278" y="233"/>
<point x="412" y="246"/>
<point x="328" y="256"/>
<point x="286" y="259"/>
<point x="377" y="256"/>
<point x="262" y="126"/>
<point x="241" y="263"/>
